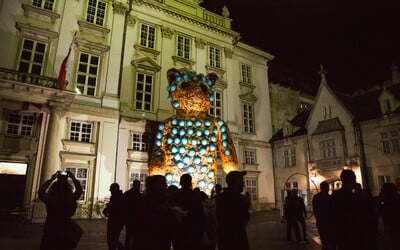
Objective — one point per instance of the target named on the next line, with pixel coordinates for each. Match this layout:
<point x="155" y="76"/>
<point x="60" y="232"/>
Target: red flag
<point x="63" y="72"/>
<point x="63" y="69"/>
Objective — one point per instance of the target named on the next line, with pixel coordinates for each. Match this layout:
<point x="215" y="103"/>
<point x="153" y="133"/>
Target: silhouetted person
<point x="154" y="216"/>
<point x="233" y="214"/>
<point x="61" y="205"/>
<point x="192" y="228"/>
<point x="390" y="211"/>
<point x="302" y="215"/>
<point x="132" y="199"/>
<point x="217" y="191"/>
<point x="114" y="212"/>
<point x="322" y="211"/>
<point x="209" y="239"/>
<point x="368" y="218"/>
<point x="345" y="212"/>
<point x="292" y="214"/>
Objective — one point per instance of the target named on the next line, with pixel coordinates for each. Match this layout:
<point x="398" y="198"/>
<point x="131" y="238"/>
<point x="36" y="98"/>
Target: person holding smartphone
<point x="60" y="200"/>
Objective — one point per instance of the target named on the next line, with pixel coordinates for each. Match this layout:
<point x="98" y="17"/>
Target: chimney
<point x="395" y="74"/>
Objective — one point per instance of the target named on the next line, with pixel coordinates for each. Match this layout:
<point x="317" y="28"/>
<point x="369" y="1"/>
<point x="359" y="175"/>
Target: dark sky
<point x="356" y="41"/>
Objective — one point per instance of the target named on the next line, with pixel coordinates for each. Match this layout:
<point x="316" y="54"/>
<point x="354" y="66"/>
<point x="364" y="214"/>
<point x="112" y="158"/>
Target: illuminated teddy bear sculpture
<point x="189" y="141"/>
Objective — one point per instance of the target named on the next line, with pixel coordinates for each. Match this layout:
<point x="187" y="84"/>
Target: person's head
<point x="136" y="185"/>
<point x="186" y="181"/>
<point x="388" y="190"/>
<point x="114" y="188"/>
<point x="60" y="190"/>
<point x="235" y="180"/>
<point x="324" y="186"/>
<point x="348" y="178"/>
<point x="156" y="185"/>
<point x="218" y="188"/>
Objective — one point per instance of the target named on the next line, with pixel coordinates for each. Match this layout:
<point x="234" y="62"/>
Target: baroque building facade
<point x="101" y="125"/>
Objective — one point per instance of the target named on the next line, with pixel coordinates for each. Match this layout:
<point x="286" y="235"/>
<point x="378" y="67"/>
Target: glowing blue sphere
<point x="197" y="160"/>
<point x="201" y="184"/>
<point x="212" y="147"/>
<point x="174" y="149"/>
<point x="189" y="123"/>
<point x="174" y="131"/>
<point x="190" y="169"/>
<point x="225" y="144"/>
<point x="176" y="104"/>
<point x="177" y="140"/>
<point x="161" y="126"/>
<point x="210" y="174"/>
<point x="180" y="164"/>
<point x="227" y="152"/>
<point x="210" y="185"/>
<point x="169" y="177"/>
<point x="170" y="140"/>
<point x="203" y="168"/>
<point x="210" y="159"/>
<point x="223" y="129"/>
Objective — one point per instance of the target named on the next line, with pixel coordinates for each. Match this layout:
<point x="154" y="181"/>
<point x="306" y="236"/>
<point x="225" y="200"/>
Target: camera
<point x="62" y="174"/>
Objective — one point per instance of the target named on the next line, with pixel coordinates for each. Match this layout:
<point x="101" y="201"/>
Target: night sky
<point x="356" y="41"/>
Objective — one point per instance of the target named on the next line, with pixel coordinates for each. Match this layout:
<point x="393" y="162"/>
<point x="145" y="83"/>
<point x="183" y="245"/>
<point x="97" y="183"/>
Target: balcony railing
<point x="17" y="76"/>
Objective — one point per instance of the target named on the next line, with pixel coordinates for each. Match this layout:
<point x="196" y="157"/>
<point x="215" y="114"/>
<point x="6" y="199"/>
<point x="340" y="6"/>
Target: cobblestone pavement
<point x="265" y="232"/>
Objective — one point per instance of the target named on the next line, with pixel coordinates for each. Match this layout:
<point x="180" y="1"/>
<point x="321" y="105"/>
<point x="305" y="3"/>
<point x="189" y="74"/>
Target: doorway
<point x="12" y="184"/>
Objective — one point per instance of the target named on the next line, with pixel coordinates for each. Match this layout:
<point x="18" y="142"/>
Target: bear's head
<point x="190" y="92"/>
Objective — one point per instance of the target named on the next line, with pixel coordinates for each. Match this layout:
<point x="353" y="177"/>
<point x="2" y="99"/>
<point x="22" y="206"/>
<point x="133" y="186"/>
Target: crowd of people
<point x="158" y="218"/>
<point x="184" y="218"/>
<point x="348" y="218"/>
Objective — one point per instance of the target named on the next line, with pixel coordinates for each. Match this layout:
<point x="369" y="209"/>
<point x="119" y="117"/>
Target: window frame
<point x="22" y="125"/>
<point x="143" y="144"/>
<point x="248" y="118"/>
<point x="140" y="103"/>
<point x="183" y="50"/>
<point x="83" y="181"/>
<point x="390" y="141"/>
<point x="149" y="38"/>
<point x="250" y="156"/>
<point x="253" y="188"/>
<point x="33" y="54"/>
<point x="246" y="74"/>
<point x="141" y="177"/>
<point x="94" y="17"/>
<point x="84" y="77"/>
<point x="328" y="149"/>
<point x="80" y="132"/>
<point x="216" y="105"/>
<point x="289" y="157"/>
<point x="215" y="56"/>
<point x="43" y="4"/>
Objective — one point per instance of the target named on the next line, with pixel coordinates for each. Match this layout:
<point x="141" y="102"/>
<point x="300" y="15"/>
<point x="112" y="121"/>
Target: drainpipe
<point x="363" y="161"/>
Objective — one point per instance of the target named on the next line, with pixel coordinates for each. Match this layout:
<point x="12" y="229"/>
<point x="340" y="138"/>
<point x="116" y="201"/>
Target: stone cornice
<point x="187" y="17"/>
<point x="32" y="9"/>
<point x="36" y="32"/>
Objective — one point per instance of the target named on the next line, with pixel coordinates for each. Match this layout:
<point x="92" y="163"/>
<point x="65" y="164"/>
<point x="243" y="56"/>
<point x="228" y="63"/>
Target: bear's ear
<point x="171" y="75"/>
<point x="213" y="77"/>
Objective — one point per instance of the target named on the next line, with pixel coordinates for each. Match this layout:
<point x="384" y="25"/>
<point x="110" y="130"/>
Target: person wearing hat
<point x="233" y="214"/>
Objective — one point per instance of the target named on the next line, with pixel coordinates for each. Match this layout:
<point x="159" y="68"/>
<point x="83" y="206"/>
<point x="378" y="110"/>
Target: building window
<point x="88" y="68"/>
<point x="140" y="142"/>
<point x="215" y="56"/>
<point x="144" y="88"/>
<point x="80" y="131"/>
<point x="147" y="36"/>
<point x="288" y="185"/>
<point x="44" y="4"/>
<point x="20" y="124"/>
<point x="246" y="74"/>
<point x="383" y="179"/>
<point x="249" y="156"/>
<point x="183" y="49"/>
<point x="251" y="188"/>
<point x="248" y="118"/>
<point x="289" y="157"/>
<point x="303" y="106"/>
<point x="32" y="57"/>
<point x="327" y="149"/>
<point x="295" y="185"/>
<point x="81" y="174"/>
<point x="96" y="12"/>
<point x="390" y="142"/>
<point x="138" y="176"/>
<point x="216" y="105"/>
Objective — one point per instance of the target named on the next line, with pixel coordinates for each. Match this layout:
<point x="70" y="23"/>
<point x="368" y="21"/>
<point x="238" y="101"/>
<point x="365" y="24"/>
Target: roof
<point x="328" y="125"/>
<point x="299" y="121"/>
<point x="365" y="106"/>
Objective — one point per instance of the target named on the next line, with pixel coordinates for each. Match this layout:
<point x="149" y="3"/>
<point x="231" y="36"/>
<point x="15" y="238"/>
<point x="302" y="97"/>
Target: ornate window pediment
<point x="35" y="32"/>
<point x="29" y="10"/>
<point x="96" y="29"/>
<point x="146" y="63"/>
<point x="92" y="46"/>
<point x="248" y="97"/>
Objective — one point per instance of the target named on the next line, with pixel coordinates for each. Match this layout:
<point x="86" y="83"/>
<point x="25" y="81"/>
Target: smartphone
<point x="62" y="174"/>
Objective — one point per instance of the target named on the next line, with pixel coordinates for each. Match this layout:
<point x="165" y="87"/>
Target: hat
<point x="234" y="176"/>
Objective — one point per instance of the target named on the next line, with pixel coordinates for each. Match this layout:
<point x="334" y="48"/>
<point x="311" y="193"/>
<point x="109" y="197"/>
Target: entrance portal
<point x="12" y="184"/>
